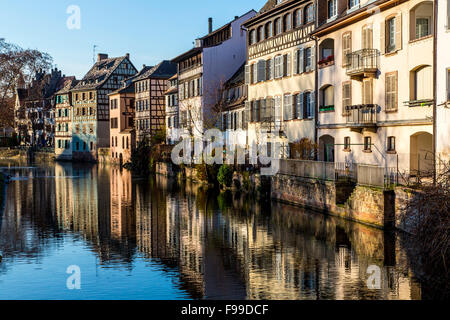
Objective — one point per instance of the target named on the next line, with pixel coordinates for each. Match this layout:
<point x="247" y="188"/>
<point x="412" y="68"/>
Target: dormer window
<point x="332" y="8"/>
<point x="353" y="4"/>
<point x="309" y="13"/>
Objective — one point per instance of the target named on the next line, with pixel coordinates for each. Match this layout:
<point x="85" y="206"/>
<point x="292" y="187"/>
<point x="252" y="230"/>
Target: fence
<point x="364" y="175"/>
<point x="308" y="169"/>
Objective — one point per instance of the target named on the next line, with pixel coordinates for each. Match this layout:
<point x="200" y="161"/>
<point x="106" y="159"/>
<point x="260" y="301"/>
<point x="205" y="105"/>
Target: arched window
<point x="297" y="18"/>
<point x="287" y="22"/>
<point x="309" y="13"/>
<point x="269" y="30"/>
<point x="422" y="83"/>
<point x="277" y="28"/>
<point x="260" y="34"/>
<point x="252" y="37"/>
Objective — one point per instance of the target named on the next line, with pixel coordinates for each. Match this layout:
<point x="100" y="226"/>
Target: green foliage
<point x="140" y="158"/>
<point x="158" y="137"/>
<point x="225" y="175"/>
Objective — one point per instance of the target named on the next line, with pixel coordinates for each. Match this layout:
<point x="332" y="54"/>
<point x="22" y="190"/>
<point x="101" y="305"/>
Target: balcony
<point x="362" y="117"/>
<point x="363" y="63"/>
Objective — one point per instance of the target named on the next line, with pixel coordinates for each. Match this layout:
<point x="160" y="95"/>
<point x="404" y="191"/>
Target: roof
<point x="364" y="10"/>
<point x="270" y="7"/>
<point x="171" y="90"/>
<point x="127" y="88"/>
<point x="68" y="84"/>
<point x="187" y="54"/>
<point x="164" y="70"/>
<point x="99" y="73"/>
<point x="237" y="78"/>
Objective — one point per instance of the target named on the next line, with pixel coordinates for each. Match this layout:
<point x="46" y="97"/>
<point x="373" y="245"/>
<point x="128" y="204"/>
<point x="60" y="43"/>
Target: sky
<point x="149" y="30"/>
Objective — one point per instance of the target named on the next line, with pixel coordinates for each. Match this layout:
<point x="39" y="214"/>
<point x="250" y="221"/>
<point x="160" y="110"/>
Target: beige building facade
<point x="376" y="99"/>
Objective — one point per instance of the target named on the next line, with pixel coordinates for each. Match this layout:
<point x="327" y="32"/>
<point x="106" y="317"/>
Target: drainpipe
<point x="316" y="92"/>
<point x="435" y="26"/>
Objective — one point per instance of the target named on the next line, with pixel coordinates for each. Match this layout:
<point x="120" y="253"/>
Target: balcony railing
<point x="363" y="62"/>
<point x="364" y="115"/>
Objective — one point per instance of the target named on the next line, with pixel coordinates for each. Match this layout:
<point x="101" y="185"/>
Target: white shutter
<point x="247" y="111"/>
<point x="301" y="60"/>
<point x="272" y="68"/>
<point x="285" y="107"/>
<point x="247" y="74"/>
<point x="313" y="57"/>
<point x="288" y="67"/>
<point x="295" y="71"/>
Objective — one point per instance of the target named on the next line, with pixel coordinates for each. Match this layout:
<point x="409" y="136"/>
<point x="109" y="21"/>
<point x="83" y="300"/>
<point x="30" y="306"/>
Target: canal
<point x="155" y="239"/>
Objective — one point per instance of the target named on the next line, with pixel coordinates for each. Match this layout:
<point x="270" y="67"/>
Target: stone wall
<point x="166" y="169"/>
<point x="367" y="205"/>
<point x="404" y="219"/>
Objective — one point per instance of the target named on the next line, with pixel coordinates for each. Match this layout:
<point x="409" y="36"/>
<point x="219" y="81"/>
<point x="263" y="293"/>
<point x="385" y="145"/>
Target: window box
<point x="326" y="108"/>
<point x="325" y="62"/>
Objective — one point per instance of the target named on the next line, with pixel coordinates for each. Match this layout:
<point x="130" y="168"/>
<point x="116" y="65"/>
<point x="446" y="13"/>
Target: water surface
<point x="154" y="239"/>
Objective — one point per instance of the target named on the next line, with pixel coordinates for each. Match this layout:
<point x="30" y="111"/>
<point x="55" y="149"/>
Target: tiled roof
<point x="164" y="70"/>
<point x="68" y="84"/>
<point x="99" y="73"/>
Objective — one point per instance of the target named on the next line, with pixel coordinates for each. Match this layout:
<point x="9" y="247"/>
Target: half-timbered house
<point x="281" y="75"/>
<point x="150" y="87"/>
<point x="172" y="132"/>
<point x="91" y="126"/>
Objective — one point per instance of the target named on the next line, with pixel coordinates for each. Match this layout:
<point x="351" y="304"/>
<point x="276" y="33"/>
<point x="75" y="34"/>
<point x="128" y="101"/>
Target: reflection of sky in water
<point x="138" y="239"/>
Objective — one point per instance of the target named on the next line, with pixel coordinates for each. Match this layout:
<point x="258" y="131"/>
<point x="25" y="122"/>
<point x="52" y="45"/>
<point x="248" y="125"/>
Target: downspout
<point x="316" y="93"/>
<point x="435" y="26"/>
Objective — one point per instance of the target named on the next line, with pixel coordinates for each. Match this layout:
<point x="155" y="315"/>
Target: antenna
<point x="93" y="53"/>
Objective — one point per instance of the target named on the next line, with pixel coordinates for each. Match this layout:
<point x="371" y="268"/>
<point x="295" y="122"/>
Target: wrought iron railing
<point x="364" y="60"/>
<point x="362" y="114"/>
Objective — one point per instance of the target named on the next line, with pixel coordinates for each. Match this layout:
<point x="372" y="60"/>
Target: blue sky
<point x="149" y="30"/>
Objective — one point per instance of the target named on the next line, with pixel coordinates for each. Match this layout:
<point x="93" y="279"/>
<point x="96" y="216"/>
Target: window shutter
<point x="383" y="37"/>
<point x="313" y="58"/>
<point x="370" y="37"/>
<point x="283" y="65"/>
<point x="277" y="111"/>
<point x="255" y="72"/>
<point x="291" y="107"/>
<point x="398" y="32"/>
<point x="295" y="71"/>
<point x="247" y="111"/>
<point x="312" y="106"/>
<point x="261" y="70"/>
<point x="301" y="60"/>
<point x="262" y="111"/>
<point x="286" y="108"/>
<point x="247" y="74"/>
<point x="288" y="64"/>
<point x="272" y="68"/>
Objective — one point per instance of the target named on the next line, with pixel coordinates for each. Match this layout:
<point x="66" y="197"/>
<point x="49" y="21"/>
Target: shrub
<point x="225" y="175"/>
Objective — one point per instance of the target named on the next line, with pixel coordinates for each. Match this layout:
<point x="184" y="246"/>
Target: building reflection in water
<point x="216" y="245"/>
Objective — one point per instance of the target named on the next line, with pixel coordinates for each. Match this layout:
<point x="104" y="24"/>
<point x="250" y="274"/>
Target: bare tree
<point x="17" y="64"/>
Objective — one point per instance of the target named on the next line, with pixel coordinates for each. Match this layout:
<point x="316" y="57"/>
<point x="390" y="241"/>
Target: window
<point x="277" y="26"/>
<point x="309" y="13"/>
<point x="309" y="104"/>
<point x="297" y="18"/>
<point x="391" y="144"/>
<point x="391" y="88"/>
<point x="287" y="22"/>
<point x="252" y="37"/>
<point x="353" y="3"/>
<point x="260" y="36"/>
<point x="308" y="59"/>
<point x="367" y="144"/>
<point x="347" y="144"/>
<point x="390" y="35"/>
<point x="332" y="9"/>
<point x="269" y="30"/>
<point x="269" y="69"/>
<point x="346" y="96"/>
<point x="327" y="96"/>
<point x="114" y="123"/>
<point x="346" y="47"/>
<point x="422" y="27"/>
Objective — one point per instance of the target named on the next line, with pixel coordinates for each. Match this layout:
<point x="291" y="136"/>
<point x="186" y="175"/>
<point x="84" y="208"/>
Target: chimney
<point x="101" y="56"/>
<point x="144" y="66"/>
<point x="236" y="17"/>
<point x="210" y="25"/>
<point x="127" y="55"/>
